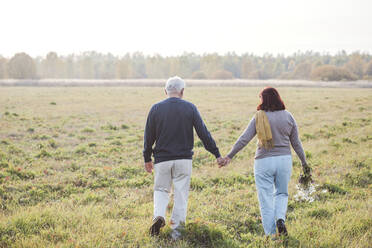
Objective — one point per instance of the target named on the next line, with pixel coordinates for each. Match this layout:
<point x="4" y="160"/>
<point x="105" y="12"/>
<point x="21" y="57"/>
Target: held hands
<point x="149" y="166"/>
<point x="223" y="161"/>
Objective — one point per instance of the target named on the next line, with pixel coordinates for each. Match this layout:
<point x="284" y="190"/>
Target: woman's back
<point x="284" y="131"/>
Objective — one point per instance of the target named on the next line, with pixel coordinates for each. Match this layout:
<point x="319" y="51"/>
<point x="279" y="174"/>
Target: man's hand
<point x="220" y="161"/>
<point x="227" y="160"/>
<point x="149" y="166"/>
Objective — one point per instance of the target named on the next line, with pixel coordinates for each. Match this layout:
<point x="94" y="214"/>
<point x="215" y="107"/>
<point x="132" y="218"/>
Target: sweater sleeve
<point x="204" y="135"/>
<point x="296" y="142"/>
<point x="149" y="136"/>
<point x="244" y="139"/>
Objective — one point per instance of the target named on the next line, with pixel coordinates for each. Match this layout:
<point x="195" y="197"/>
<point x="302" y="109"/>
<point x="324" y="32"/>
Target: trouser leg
<point x="283" y="175"/>
<point x="162" y="186"/>
<point x="264" y="178"/>
<point x="181" y="175"/>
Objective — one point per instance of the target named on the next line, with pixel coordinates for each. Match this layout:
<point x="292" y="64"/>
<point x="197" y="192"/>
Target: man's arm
<point x="204" y="135"/>
<point x="149" y="136"/>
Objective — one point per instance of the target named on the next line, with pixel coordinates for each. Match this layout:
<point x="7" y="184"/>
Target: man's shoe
<point x="158" y="223"/>
<point x="282" y="230"/>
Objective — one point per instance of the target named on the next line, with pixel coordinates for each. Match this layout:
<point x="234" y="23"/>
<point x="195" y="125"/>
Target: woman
<point x="276" y="129"/>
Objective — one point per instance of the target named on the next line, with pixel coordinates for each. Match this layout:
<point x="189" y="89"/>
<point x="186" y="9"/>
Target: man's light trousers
<point x="178" y="172"/>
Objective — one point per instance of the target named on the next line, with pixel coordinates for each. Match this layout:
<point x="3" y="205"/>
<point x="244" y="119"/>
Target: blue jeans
<point x="272" y="175"/>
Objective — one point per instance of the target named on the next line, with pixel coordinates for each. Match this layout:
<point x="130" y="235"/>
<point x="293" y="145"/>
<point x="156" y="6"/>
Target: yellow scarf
<point x="263" y="129"/>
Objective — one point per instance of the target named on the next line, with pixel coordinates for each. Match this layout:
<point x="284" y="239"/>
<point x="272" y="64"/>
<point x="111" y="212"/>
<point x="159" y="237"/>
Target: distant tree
<point x="124" y="67"/>
<point x="248" y="68"/>
<point x="356" y="65"/>
<point x="231" y="63"/>
<point x="332" y="73"/>
<point x="291" y="65"/>
<point x="222" y="74"/>
<point x="139" y="65"/>
<point x="198" y="75"/>
<point x="302" y="71"/>
<point x="52" y="66"/>
<point x="3" y="68"/>
<point x="21" y="66"/>
<point x="368" y="71"/>
<point x="210" y="63"/>
<point x="94" y="65"/>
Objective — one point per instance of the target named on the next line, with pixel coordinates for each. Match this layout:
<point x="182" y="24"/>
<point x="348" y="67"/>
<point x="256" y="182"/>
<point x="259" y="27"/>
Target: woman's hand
<point x="306" y="169"/>
<point x="226" y="161"/>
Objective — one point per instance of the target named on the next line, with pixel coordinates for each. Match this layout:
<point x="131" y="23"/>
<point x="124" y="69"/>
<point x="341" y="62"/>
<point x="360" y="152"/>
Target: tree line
<point x="93" y="65"/>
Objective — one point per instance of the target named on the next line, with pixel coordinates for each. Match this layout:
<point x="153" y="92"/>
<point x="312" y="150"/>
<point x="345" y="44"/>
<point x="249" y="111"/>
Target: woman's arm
<point x="244" y="139"/>
<point x="296" y="142"/>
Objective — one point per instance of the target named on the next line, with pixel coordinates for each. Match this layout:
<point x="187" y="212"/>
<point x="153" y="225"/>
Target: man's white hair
<point x="174" y="85"/>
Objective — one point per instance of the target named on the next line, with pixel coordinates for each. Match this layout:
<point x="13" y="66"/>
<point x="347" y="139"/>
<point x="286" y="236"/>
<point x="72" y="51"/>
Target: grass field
<point x="71" y="169"/>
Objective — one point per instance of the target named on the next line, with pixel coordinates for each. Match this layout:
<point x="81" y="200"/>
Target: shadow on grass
<point x="197" y="234"/>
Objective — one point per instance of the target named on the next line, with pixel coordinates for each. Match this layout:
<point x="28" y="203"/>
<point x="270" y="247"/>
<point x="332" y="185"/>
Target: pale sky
<point x="171" y="27"/>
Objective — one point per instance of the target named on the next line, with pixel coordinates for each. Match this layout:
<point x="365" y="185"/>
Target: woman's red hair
<point x="270" y="100"/>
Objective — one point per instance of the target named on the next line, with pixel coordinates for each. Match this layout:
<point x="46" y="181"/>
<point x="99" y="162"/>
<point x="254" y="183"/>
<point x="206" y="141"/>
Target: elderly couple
<point x="170" y="125"/>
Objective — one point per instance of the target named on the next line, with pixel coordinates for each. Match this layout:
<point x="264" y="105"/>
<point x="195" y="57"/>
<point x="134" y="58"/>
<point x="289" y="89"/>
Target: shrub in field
<point x="198" y="75"/>
<point x="308" y="136"/>
<point x="127" y="172"/>
<point x="4" y="164"/>
<point x="109" y="126"/>
<point x="53" y="103"/>
<point x="319" y="213"/>
<point x="197" y="184"/>
<point x="232" y="180"/>
<point x="103" y="182"/>
<point x="222" y="74"/>
<point x="30" y="130"/>
<point x="92" y="144"/>
<point x="332" y="188"/>
<point x="43" y="154"/>
<point x="198" y="144"/>
<point x="123" y="126"/>
<point x="138" y="182"/>
<point x="20" y="173"/>
<point x="88" y="130"/>
<point x="116" y="143"/>
<point x="44" y="137"/>
<point x="12" y="149"/>
<point x="52" y="143"/>
<point x="91" y="198"/>
<point x="360" y="164"/>
<point x="362" y="178"/>
<point x="332" y="73"/>
<point x="348" y="140"/>
<point x="81" y="150"/>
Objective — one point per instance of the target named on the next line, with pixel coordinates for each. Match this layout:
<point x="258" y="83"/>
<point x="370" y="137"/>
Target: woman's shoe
<point x="282" y="230"/>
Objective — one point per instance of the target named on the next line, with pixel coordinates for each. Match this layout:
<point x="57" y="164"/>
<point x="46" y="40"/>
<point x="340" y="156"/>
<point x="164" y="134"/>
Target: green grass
<point x="71" y="174"/>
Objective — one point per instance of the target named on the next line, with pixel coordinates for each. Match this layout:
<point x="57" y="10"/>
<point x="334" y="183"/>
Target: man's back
<point x="170" y="124"/>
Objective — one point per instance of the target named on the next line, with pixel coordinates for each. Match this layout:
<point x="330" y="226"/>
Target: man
<point x="170" y="125"/>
